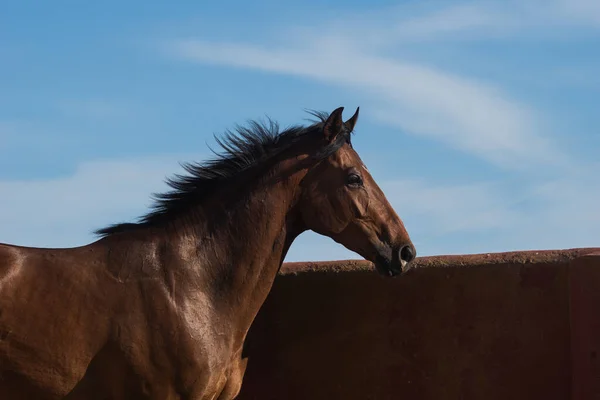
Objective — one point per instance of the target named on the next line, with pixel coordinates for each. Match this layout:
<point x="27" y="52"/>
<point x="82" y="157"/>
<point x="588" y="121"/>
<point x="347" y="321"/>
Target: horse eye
<point x="354" y="180"/>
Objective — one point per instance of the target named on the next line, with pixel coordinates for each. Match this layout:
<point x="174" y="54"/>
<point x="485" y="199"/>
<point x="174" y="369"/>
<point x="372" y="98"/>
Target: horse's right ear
<point x="334" y="125"/>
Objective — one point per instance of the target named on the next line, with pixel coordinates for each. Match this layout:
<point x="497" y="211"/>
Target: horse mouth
<point x="387" y="268"/>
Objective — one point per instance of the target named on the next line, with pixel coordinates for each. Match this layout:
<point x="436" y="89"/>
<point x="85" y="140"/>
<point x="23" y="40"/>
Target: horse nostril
<point x="407" y="253"/>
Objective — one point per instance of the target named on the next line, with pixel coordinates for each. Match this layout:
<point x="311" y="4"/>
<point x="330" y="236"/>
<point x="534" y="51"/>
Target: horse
<point x="159" y="308"/>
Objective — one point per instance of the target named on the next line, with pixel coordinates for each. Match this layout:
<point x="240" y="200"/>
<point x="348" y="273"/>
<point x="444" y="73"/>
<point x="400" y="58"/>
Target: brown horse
<point x="160" y="308"/>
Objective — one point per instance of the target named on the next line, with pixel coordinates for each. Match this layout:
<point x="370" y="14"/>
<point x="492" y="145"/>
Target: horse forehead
<point x="348" y="158"/>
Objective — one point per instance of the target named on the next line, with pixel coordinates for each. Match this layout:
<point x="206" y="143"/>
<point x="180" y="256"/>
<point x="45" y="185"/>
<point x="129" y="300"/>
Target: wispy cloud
<point x="65" y="210"/>
<point x="466" y="114"/>
<point x="577" y="11"/>
<point x="499" y="216"/>
<point x="451" y="208"/>
<point x="473" y="21"/>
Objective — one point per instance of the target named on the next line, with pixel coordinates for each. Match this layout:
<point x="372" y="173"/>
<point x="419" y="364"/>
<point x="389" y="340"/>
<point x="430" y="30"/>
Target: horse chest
<point x="209" y="365"/>
<point x="191" y="350"/>
<point x="204" y="333"/>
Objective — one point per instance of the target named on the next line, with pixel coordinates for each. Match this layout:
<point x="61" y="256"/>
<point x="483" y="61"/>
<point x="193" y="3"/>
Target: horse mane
<point x="254" y="146"/>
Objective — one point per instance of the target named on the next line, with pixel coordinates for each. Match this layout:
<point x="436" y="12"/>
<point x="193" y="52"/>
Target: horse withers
<point x="160" y="308"/>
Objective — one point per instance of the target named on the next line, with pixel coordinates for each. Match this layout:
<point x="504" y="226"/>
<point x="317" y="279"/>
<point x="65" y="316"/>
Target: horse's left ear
<point x="334" y="125"/>
<point x="352" y="121"/>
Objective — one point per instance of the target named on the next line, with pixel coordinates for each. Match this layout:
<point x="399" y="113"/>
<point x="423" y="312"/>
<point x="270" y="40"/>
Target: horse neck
<point x="242" y="245"/>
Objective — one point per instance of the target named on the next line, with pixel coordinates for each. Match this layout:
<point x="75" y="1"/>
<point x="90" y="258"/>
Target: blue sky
<point x="479" y="119"/>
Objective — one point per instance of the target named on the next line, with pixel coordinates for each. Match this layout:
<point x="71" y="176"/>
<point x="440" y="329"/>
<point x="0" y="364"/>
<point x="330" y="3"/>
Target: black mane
<point x="253" y="146"/>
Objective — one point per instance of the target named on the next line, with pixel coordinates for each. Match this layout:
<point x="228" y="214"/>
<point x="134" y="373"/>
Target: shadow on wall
<point x="499" y="326"/>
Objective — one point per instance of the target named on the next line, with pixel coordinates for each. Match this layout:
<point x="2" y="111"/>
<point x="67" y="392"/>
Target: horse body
<point x="147" y="302"/>
<point x="161" y="309"/>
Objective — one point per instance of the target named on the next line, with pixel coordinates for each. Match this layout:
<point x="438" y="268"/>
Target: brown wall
<point x="496" y="326"/>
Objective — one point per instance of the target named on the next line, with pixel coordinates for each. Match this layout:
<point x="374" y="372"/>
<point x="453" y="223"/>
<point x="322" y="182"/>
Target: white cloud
<point x="478" y="217"/>
<point x="64" y="211"/>
<point x="463" y="113"/>
<point x="452" y="208"/>
<point x="585" y="12"/>
<point x="473" y="21"/>
<point x="422" y="21"/>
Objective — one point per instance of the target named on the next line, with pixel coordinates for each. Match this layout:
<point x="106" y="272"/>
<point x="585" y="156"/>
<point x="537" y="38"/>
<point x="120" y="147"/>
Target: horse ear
<point x="334" y="125"/>
<point x="352" y="121"/>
